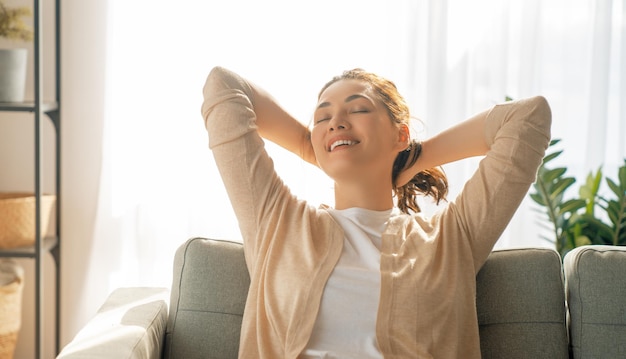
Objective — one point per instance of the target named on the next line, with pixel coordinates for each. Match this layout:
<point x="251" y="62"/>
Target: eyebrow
<point x="348" y="99"/>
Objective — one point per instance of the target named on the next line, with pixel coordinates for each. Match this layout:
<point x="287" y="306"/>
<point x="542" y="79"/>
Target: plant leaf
<point x="554" y="142"/>
<point x="538" y="198"/>
<point x="589" y="190"/>
<point x="615" y="187"/>
<point x="561" y="185"/>
<point x="553" y="174"/>
<point x="551" y="156"/>
<point x="622" y="176"/>
<point x="572" y="205"/>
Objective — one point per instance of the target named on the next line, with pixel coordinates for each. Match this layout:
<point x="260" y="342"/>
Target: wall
<point x="83" y="51"/>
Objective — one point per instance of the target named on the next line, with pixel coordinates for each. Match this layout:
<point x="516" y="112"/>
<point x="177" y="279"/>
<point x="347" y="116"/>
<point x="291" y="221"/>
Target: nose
<point x="337" y="123"/>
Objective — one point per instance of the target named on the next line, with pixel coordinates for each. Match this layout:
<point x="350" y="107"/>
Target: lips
<point x="341" y="142"/>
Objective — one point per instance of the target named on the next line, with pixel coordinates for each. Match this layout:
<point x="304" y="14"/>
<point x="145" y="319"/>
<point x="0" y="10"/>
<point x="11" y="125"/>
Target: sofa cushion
<point x="596" y="294"/>
<point x="208" y="295"/>
<point x="520" y="301"/>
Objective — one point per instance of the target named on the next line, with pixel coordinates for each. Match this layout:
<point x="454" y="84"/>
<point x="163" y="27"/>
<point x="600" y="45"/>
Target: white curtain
<point x="450" y="58"/>
<point x="158" y="184"/>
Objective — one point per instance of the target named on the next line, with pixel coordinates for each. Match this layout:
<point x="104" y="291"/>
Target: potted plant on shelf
<point x="588" y="218"/>
<point x="13" y="61"/>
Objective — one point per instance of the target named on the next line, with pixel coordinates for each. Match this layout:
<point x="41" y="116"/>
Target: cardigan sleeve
<point x="290" y="247"/>
<point x="518" y="134"/>
<point x="246" y="169"/>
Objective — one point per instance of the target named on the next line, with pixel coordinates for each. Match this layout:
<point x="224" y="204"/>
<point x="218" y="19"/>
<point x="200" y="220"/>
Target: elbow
<point x="541" y="116"/>
<point x="217" y="71"/>
<point x="227" y="109"/>
<point x="221" y="82"/>
<point x="220" y="79"/>
<point x="209" y="92"/>
<point x="223" y="86"/>
<point x="542" y="108"/>
<point x="214" y="82"/>
<point x="216" y="75"/>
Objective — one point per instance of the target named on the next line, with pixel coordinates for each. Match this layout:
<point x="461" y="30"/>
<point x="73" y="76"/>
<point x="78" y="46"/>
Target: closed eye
<point x="321" y="120"/>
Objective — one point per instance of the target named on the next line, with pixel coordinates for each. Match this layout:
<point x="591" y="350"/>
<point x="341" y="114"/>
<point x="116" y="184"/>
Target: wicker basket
<point x="17" y="218"/>
<point x="11" y="285"/>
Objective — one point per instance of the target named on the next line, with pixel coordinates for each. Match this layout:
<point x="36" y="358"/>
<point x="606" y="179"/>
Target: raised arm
<point x="466" y="139"/>
<point x="517" y="134"/>
<point x="278" y="126"/>
<point x="463" y="140"/>
<point x="235" y="112"/>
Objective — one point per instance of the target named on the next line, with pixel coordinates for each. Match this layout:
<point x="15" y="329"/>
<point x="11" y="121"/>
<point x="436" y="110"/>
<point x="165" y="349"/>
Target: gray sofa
<point x="521" y="304"/>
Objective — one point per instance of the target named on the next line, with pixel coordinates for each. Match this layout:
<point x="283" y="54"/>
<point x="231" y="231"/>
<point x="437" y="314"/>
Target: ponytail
<point x="431" y="182"/>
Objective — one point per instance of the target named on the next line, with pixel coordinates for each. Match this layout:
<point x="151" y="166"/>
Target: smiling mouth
<point x="341" y="143"/>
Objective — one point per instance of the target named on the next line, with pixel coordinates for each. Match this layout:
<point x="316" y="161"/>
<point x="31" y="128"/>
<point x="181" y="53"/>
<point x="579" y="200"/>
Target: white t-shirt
<point x="346" y="323"/>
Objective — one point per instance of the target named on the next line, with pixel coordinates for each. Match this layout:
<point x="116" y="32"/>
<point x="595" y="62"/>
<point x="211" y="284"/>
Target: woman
<point x="366" y="279"/>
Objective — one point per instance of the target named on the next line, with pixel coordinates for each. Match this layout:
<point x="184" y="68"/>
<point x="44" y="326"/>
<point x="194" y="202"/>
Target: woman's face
<point x="352" y="133"/>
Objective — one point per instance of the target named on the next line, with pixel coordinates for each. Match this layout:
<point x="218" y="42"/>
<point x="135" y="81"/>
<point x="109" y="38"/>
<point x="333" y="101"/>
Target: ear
<point x="404" y="137"/>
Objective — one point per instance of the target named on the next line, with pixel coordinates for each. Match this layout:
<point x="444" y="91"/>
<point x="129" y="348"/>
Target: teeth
<point x="341" y="143"/>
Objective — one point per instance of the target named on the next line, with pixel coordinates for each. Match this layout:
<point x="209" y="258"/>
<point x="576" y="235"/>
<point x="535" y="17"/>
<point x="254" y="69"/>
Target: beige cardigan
<point x="428" y="265"/>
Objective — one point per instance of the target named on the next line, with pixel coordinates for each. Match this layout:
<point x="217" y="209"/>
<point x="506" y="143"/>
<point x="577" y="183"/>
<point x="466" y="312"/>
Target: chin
<point x="342" y="173"/>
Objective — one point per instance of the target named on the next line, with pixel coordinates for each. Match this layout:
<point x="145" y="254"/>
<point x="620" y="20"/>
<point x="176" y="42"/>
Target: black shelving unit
<point x="41" y="109"/>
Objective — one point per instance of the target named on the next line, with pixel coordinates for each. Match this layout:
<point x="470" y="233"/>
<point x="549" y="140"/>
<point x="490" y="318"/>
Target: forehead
<point x="342" y="89"/>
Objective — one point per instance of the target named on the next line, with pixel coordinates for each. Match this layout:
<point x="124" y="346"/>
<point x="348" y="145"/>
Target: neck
<point x="364" y="193"/>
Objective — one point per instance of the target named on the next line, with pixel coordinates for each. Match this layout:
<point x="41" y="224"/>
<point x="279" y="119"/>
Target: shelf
<point x="49" y="244"/>
<point x="38" y="108"/>
<point x="27" y="106"/>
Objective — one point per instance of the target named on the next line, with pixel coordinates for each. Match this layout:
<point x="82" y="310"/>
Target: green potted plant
<point x="589" y="218"/>
<point x="13" y="61"/>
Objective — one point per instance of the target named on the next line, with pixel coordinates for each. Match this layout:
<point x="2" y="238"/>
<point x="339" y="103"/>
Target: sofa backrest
<point x="596" y="293"/>
<point x="520" y="302"/>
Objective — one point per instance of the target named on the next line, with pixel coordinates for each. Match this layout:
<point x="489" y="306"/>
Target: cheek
<point x="317" y="139"/>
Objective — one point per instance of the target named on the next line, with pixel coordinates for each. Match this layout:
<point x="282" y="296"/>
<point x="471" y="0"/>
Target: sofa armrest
<point x="596" y="294"/>
<point x="209" y="290"/>
<point x="130" y="324"/>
